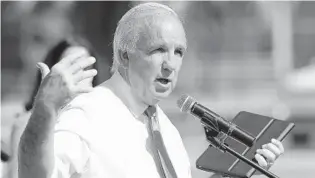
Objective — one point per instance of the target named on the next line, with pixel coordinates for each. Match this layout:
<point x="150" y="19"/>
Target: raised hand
<point x="63" y="82"/>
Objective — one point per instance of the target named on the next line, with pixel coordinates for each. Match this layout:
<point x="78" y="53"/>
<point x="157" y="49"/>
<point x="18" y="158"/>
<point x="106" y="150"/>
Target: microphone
<point x="214" y="121"/>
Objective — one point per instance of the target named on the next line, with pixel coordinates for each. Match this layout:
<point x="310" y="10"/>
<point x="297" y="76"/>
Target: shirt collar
<point x="123" y="91"/>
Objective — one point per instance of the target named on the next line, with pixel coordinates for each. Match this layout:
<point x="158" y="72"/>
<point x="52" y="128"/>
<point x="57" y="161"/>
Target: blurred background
<point x="242" y="56"/>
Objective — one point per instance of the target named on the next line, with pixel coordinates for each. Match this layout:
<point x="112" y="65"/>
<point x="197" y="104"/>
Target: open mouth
<point x="163" y="80"/>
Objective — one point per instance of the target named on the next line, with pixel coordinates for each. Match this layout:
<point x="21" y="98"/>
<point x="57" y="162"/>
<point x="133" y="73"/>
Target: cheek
<point x="146" y="68"/>
<point x="137" y="75"/>
<point x="179" y="65"/>
<point x="177" y="70"/>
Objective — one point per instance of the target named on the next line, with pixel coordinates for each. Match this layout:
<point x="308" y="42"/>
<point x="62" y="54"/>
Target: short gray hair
<point x="128" y="28"/>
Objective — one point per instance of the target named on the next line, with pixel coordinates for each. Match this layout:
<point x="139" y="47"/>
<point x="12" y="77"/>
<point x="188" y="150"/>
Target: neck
<point x="120" y="85"/>
<point x="123" y="72"/>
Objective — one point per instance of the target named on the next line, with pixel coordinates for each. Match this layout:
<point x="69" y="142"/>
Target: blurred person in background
<point x="37" y="27"/>
<point x="32" y="28"/>
<point x="117" y="129"/>
<point x="61" y="50"/>
<point x="42" y="27"/>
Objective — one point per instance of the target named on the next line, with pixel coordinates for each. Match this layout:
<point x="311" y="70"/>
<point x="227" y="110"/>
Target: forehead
<point x="163" y="30"/>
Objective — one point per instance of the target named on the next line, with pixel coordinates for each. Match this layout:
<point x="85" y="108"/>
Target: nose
<point x="169" y="65"/>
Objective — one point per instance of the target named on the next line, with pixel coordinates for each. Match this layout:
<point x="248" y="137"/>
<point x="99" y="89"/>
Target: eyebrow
<point x="152" y="45"/>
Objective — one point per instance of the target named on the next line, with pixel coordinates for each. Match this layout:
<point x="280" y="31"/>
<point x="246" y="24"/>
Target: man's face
<point x="157" y="59"/>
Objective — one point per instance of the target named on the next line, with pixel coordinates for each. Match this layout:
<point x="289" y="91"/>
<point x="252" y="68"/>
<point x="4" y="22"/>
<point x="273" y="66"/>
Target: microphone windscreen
<point x="185" y="102"/>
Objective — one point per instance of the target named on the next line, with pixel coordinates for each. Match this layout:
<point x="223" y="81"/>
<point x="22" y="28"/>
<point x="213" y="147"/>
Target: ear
<point x="123" y="57"/>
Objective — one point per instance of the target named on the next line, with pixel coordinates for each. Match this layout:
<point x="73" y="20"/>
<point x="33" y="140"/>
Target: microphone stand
<point x="219" y="144"/>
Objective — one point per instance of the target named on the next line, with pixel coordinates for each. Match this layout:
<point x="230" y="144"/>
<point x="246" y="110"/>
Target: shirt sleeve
<point x="70" y="144"/>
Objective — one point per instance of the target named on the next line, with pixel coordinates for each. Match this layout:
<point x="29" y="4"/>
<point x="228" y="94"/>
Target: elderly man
<point x="116" y="129"/>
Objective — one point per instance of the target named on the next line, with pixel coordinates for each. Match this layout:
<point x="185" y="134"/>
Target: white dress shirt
<point x="103" y="134"/>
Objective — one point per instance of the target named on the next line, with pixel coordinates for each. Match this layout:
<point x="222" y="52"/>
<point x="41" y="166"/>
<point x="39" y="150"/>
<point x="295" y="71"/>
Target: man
<point x="117" y="129"/>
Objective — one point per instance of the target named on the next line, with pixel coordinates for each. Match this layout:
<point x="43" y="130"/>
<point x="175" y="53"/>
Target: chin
<point x="155" y="96"/>
<point x="162" y="95"/>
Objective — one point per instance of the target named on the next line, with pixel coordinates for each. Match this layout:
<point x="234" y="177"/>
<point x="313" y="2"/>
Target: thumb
<point x="43" y="69"/>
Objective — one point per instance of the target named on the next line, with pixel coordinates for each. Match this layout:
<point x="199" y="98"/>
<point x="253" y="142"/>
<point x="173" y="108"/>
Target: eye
<point x="161" y="50"/>
<point x="179" y="52"/>
<point x="158" y="50"/>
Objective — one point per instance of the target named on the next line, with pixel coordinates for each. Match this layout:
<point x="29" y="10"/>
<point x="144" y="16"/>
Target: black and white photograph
<point x="157" y="89"/>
